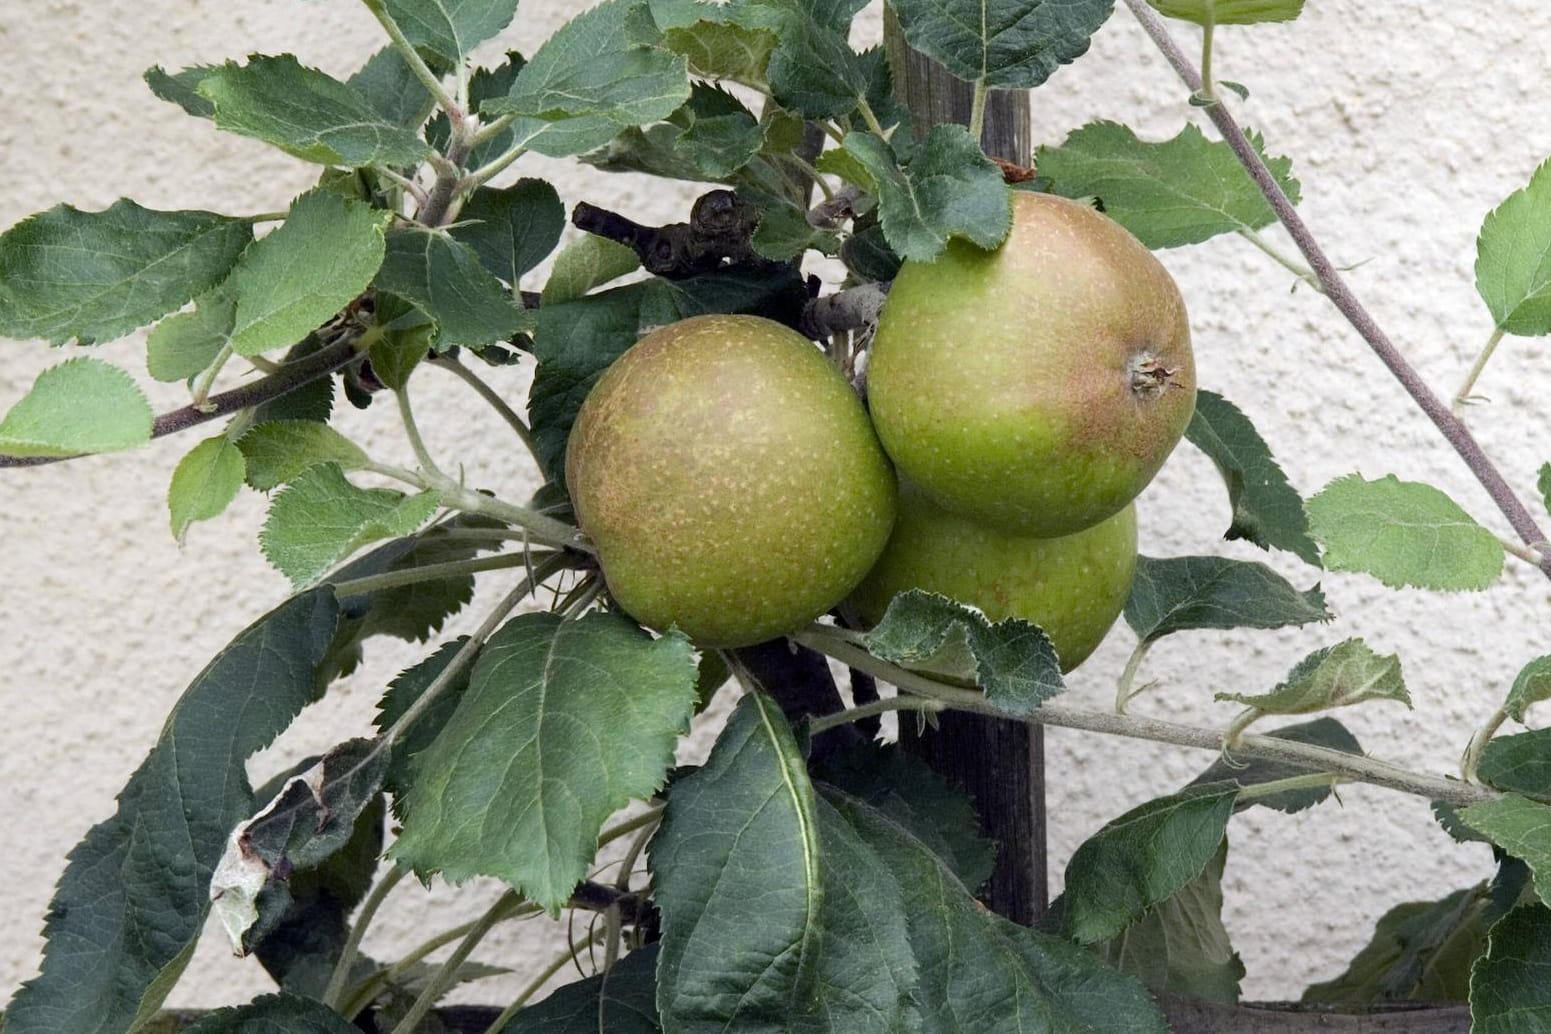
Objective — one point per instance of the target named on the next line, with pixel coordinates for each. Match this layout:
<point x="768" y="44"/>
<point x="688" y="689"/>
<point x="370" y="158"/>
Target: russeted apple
<point x="730" y="479"/>
<point x="1039" y="387"/>
<point x="1073" y="587"/>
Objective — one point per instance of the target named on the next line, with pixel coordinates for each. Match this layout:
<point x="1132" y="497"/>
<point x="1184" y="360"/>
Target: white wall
<point x="1407" y="122"/>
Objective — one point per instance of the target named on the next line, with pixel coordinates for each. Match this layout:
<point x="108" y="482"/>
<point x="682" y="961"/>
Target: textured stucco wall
<point x="1406" y="120"/>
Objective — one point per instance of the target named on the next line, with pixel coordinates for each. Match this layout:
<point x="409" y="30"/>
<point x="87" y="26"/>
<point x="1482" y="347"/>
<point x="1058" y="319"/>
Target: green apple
<point x="1038" y="387"/>
<point x="730" y="479"/>
<point x="1073" y="587"/>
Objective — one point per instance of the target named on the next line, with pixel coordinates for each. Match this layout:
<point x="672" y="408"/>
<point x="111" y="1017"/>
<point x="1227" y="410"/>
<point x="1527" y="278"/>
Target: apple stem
<point x="1340" y="294"/>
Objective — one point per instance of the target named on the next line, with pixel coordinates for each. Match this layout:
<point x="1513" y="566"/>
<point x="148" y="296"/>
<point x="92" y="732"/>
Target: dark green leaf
<point x="743" y="828"/>
<point x="621" y="1001"/>
<point x="81" y="405"/>
<point x="181" y="88"/>
<point x="205" y="482"/>
<point x="93" y="276"/>
<point x="1420" y="951"/>
<point x="1011" y="660"/>
<point x="1174" y="192"/>
<point x="709" y="138"/>
<point x="409" y="335"/>
<point x="445" y="279"/>
<point x="1520" y="763"/>
<point x="1333" y="676"/>
<point x="1181" y="593"/>
<point x="1404" y="533"/>
<point x="784" y="233"/>
<point x="1513" y="259"/>
<point x="979" y="972"/>
<point x="1321" y="732"/>
<point x="1510" y="985"/>
<point x="275" y="1014"/>
<point x="605" y="63"/>
<point x="278" y="450"/>
<point x="298" y="277"/>
<point x="1230" y="12"/>
<point x="320" y="518"/>
<point x="1544" y="484"/>
<point x="123" y="921"/>
<point x="1266" y="509"/>
<point x="1012" y="44"/>
<point x="390" y="87"/>
<point x="402" y="693"/>
<point x="311" y="818"/>
<point x="564" y="722"/>
<point x="306" y="113"/>
<point x="813" y="71"/>
<point x="577" y="341"/>
<point x="948" y="189"/>
<point x="512" y="229"/>
<point x="1522" y="828"/>
<point x="714" y="42"/>
<point x="903" y="788"/>
<point x="313" y="401"/>
<point x="452" y="28"/>
<point x="1181" y="946"/>
<point x="1532" y="685"/>
<point x="1142" y="858"/>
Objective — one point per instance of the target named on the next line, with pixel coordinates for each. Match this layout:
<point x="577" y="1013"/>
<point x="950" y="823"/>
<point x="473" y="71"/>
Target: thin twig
<point x="347" y="955"/>
<point x="292" y="375"/>
<point x="1354" y="767"/>
<point x="1340" y="294"/>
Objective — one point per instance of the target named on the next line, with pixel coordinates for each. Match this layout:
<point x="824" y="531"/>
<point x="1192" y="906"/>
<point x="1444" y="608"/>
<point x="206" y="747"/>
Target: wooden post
<point x="1001" y="764"/>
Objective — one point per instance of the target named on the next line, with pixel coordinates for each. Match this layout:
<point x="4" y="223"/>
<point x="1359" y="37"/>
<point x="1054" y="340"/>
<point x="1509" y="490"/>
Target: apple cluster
<point x="1018" y="401"/>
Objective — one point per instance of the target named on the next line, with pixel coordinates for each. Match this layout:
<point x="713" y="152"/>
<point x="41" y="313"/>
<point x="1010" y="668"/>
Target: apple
<point x="730" y="479"/>
<point x="1073" y="587"/>
<point x="1039" y="387"/>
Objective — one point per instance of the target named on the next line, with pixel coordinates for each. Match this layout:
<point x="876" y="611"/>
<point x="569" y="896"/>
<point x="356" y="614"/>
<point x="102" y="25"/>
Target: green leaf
<point x="317" y="262"/>
<point x="1011" y="660"/>
<point x="452" y="28"/>
<point x="1544" y="484"/>
<point x="1177" y="594"/>
<point x="1182" y="947"/>
<point x="1320" y="732"/>
<point x="564" y="722"/>
<point x="576" y="341"/>
<point x="1404" y="533"/>
<point x="1420" y="951"/>
<point x="948" y="189"/>
<point x="93" y="276"/>
<point x="1229" y="12"/>
<point x="1510" y="985"/>
<point x="408" y="337"/>
<point x="1333" y="676"/>
<point x="306" y="113"/>
<point x="278" y="451"/>
<point x="301" y="826"/>
<point x="1513" y="259"/>
<point x="1142" y="858"/>
<point x="909" y="793"/>
<point x="1266" y="509"/>
<point x="743" y="828"/>
<point x="123" y="921"/>
<point x="204" y="483"/>
<point x="711" y="38"/>
<point x="979" y="972"/>
<point x="274" y="1014"/>
<point x="445" y="279"/>
<point x="709" y="138"/>
<point x="181" y="88"/>
<point x="1519" y="763"/>
<point x="813" y="72"/>
<point x="320" y="518"/>
<point x="621" y="1001"/>
<point x="485" y="84"/>
<point x="79" y="406"/>
<point x="313" y="401"/>
<point x="1012" y="44"/>
<point x="1522" y="828"/>
<point x="512" y="229"/>
<point x="1532" y="685"/>
<point x="392" y="89"/>
<point x="185" y="343"/>
<point x="401" y="695"/>
<point x="605" y="63"/>
<point x="585" y="263"/>
<point x="784" y="234"/>
<point x="1174" y="192"/>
